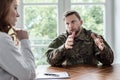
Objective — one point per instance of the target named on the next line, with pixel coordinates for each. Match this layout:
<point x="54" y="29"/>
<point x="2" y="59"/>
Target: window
<point x="92" y="13"/>
<point x="43" y="20"/>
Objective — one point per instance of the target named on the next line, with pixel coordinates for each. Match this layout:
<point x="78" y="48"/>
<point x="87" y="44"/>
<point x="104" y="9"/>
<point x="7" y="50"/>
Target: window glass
<point x="84" y="1"/>
<point x="39" y="54"/>
<point x="40" y="1"/>
<point x="41" y="23"/>
<point x="92" y="16"/>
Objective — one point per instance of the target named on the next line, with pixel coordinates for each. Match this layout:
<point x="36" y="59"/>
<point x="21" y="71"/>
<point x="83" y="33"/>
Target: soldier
<point x="78" y="45"/>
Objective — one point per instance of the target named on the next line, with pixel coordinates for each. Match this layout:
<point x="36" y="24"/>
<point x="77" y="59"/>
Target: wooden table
<point x="85" y="72"/>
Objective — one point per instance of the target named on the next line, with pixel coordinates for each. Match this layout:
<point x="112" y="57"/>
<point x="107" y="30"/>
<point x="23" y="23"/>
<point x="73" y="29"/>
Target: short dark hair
<point x="71" y="12"/>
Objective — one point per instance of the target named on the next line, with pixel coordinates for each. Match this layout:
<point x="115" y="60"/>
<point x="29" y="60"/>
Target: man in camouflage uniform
<point x="78" y="45"/>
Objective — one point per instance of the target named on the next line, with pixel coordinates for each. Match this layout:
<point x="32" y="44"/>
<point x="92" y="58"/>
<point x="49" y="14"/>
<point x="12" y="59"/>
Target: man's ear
<point x="81" y="22"/>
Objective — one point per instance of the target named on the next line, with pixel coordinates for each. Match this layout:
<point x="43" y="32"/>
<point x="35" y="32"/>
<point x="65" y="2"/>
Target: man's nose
<point x="71" y="25"/>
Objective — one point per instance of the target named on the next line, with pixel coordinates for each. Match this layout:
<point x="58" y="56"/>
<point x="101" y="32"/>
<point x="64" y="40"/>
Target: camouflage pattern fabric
<point x="84" y="51"/>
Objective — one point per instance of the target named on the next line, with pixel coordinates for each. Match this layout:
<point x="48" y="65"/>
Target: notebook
<point x="52" y="75"/>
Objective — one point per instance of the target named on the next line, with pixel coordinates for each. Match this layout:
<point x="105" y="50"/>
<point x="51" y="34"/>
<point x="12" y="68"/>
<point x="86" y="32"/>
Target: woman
<point x="15" y="64"/>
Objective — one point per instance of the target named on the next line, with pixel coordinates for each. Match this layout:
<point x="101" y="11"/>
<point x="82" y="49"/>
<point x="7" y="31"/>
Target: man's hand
<point x="69" y="41"/>
<point x="98" y="41"/>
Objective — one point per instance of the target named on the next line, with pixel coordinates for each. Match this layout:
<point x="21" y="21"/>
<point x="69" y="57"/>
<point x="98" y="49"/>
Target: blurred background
<point x="43" y="20"/>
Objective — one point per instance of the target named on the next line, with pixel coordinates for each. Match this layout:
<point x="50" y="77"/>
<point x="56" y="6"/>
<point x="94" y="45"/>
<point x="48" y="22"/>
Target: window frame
<point x="64" y="5"/>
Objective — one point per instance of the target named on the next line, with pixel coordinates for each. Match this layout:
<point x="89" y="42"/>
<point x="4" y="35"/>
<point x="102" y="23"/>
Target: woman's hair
<point x="4" y="25"/>
<point x="4" y="10"/>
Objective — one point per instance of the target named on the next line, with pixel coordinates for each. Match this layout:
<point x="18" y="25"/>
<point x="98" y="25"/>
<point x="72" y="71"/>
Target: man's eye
<point x="15" y="7"/>
<point x="73" y="21"/>
<point x="67" y="23"/>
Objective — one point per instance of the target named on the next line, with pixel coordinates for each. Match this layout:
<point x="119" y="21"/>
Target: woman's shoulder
<point x="4" y="37"/>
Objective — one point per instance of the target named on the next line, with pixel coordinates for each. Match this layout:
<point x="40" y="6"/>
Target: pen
<point x="51" y="74"/>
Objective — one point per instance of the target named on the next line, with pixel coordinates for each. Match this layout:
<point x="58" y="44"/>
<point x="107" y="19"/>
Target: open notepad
<point x="52" y="75"/>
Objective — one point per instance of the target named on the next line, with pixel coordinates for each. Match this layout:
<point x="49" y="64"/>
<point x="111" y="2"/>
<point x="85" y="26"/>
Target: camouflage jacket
<point x="84" y="51"/>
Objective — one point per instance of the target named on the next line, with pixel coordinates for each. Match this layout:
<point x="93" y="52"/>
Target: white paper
<point x="53" y="75"/>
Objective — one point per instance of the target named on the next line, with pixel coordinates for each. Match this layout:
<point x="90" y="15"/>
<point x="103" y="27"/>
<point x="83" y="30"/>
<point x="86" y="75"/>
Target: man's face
<point x="72" y="23"/>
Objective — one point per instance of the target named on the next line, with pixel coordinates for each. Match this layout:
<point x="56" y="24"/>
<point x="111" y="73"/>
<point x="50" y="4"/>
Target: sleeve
<point x="19" y="63"/>
<point x="105" y="56"/>
<point x="56" y="52"/>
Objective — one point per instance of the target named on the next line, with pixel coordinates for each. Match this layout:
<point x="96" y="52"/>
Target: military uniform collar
<point x="82" y="35"/>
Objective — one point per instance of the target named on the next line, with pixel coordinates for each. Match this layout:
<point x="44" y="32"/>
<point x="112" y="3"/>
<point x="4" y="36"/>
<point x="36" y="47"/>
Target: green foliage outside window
<point x="92" y="17"/>
<point x="41" y="23"/>
<point x="76" y="1"/>
<point x="42" y="1"/>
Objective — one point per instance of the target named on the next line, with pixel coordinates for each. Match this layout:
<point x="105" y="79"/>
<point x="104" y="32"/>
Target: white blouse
<point x="15" y="64"/>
